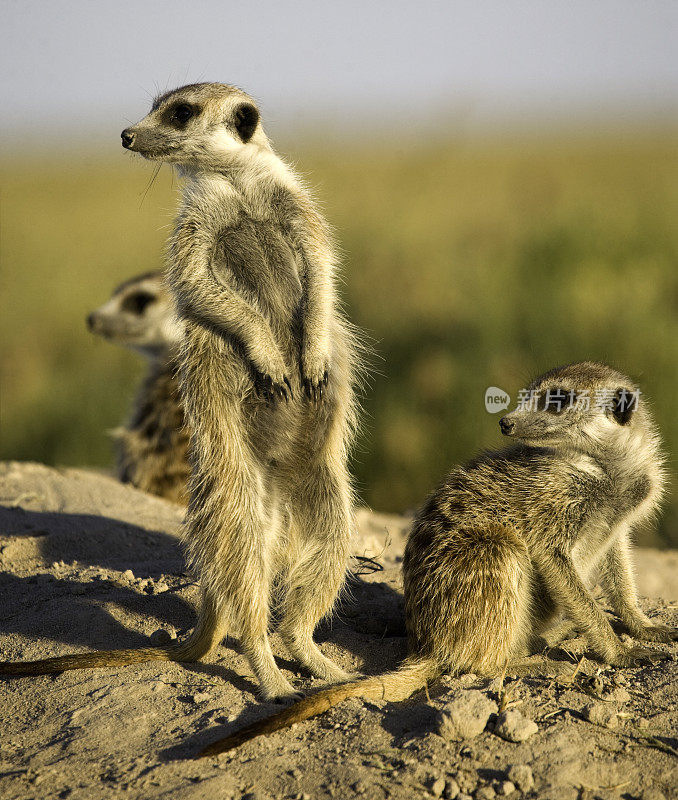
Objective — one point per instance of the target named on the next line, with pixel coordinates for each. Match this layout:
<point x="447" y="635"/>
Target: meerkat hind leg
<point x="253" y="619"/>
<point x="540" y="665"/>
<point x="555" y="634"/>
<point x="469" y="602"/>
<point x="209" y="630"/>
<point x="321" y="520"/>
<point x="240" y="575"/>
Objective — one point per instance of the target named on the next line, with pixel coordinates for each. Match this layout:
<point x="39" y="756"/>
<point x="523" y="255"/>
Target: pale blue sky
<point x="87" y="66"/>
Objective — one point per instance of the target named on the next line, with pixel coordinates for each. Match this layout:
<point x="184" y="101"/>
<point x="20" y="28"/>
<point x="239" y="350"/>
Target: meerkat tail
<point x="397" y="685"/>
<point x="192" y="649"/>
<point x="106" y="658"/>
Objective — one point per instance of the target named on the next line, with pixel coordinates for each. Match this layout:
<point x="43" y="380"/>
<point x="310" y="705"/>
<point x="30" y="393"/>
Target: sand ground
<point x="88" y="563"/>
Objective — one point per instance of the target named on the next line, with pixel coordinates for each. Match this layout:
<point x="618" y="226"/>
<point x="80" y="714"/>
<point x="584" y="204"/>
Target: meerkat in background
<point x="267" y="372"/>
<point x="152" y="447"/>
<point x="508" y="541"/>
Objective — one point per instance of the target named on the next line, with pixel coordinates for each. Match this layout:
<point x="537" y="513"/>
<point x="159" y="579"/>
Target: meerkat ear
<point x="624" y="405"/>
<point x="246" y="120"/>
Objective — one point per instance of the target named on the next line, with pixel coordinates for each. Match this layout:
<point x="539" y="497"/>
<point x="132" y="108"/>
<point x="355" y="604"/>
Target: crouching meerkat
<point x="152" y="446"/>
<point x="508" y="541"/>
<point x="267" y="369"/>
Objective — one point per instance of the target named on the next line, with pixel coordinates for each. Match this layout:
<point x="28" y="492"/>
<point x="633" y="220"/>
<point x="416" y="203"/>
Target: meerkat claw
<point x="647" y="656"/>
<point x="314" y="390"/>
<point x="281" y="392"/>
<point x="308" y="388"/>
<point x="263" y="385"/>
<point x="640" y="657"/>
<point x="270" y="391"/>
<point x="658" y="633"/>
<point x="287" y="699"/>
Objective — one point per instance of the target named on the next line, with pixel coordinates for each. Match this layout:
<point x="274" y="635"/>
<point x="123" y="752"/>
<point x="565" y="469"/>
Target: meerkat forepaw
<point x="637" y="657"/>
<point x="314" y="373"/>
<point x="271" y="390"/>
<point x="656" y="633"/>
<point x="314" y="387"/>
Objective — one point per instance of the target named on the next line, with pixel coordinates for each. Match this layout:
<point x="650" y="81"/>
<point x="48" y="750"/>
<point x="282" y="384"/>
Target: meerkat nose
<point x="127" y="138"/>
<point x="91" y="319"/>
<point x="507" y="425"/>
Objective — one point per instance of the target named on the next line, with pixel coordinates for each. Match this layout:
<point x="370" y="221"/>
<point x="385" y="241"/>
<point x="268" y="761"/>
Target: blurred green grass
<point x="469" y="264"/>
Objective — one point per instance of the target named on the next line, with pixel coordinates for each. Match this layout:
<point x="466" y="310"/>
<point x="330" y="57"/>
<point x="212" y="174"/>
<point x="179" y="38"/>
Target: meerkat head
<point x="199" y="126"/>
<point x="581" y="406"/>
<point x="140" y="315"/>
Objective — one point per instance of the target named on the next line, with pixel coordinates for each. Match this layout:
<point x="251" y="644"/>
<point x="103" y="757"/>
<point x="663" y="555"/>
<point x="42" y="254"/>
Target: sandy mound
<point x="87" y="563"/>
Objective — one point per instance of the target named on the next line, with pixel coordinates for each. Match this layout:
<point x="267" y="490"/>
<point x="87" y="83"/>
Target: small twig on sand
<point x="569" y="679"/>
<point x="648" y="740"/>
<point x="505" y="697"/>
<point x="553" y="713"/>
<point x="367" y="566"/>
<point x="653" y="742"/>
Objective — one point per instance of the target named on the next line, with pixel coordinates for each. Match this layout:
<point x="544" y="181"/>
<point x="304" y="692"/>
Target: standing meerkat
<point x="152" y="446"/>
<point x="267" y="372"/>
<point x="509" y="540"/>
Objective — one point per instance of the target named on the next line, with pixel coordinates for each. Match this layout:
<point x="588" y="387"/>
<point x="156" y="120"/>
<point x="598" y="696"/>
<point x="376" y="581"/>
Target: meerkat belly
<point x="219" y="397"/>
<point x="595" y="538"/>
<point x="259" y="261"/>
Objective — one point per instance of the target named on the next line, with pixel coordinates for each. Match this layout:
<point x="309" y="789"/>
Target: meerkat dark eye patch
<point x="246" y="120"/>
<point x="137" y="302"/>
<point x="624" y="405"/>
<point x="179" y="114"/>
<point x="554" y="400"/>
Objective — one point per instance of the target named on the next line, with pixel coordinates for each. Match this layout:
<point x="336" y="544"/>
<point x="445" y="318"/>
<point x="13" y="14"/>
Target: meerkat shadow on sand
<point x="368" y="622"/>
<point x="52" y="614"/>
<point x="89" y="541"/>
<point x="93" y="540"/>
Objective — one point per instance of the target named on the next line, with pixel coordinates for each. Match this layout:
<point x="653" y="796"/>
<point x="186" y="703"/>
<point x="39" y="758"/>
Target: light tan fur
<point x="507" y="541"/>
<point x="267" y="372"/>
<point x="152" y="446"/>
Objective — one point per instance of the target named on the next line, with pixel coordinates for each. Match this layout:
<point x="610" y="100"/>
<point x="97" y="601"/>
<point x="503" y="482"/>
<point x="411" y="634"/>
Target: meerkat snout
<point x="96" y="324"/>
<point x="127" y="137"/>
